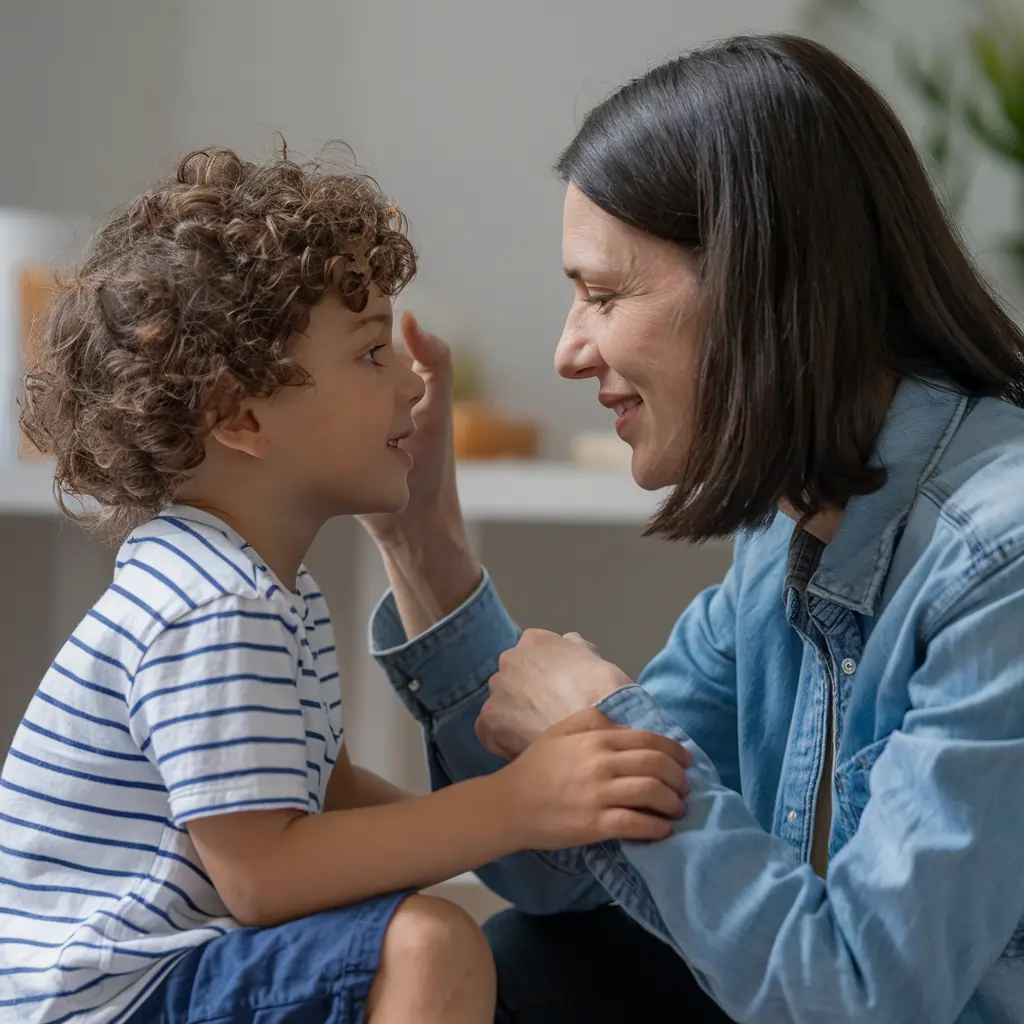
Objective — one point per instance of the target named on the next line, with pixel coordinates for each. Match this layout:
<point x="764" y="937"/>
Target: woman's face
<point x="632" y="326"/>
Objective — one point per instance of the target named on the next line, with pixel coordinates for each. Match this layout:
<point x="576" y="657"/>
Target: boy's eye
<point x="369" y="354"/>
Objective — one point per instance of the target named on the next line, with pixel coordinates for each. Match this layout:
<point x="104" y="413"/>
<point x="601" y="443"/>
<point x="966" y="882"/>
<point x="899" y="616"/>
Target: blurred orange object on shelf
<point x="36" y="290"/>
<point x="480" y="433"/>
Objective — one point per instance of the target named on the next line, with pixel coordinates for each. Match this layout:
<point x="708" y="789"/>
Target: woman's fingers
<point x="577" y="639"/>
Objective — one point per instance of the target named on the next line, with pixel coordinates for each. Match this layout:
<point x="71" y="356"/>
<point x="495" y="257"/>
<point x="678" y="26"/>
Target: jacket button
<point x="414" y="685"/>
<point x="791" y="816"/>
<point x="849" y="666"/>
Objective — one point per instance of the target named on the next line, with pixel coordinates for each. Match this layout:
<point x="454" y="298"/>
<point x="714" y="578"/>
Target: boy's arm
<point x="581" y="782"/>
<point x="274" y="866"/>
<point x="352" y="786"/>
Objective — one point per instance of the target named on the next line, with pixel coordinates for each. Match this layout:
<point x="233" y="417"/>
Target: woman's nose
<point x="577" y="355"/>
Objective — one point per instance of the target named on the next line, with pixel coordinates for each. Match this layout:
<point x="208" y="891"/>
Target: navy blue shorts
<point x="317" y="970"/>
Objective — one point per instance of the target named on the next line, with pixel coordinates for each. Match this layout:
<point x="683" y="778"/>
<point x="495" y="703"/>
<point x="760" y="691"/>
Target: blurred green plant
<point x="971" y="87"/>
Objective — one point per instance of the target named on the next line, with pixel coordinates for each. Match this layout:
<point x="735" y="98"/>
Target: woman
<point x="771" y="299"/>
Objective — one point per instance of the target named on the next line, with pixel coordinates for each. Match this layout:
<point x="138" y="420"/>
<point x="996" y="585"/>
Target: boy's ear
<point x="242" y="430"/>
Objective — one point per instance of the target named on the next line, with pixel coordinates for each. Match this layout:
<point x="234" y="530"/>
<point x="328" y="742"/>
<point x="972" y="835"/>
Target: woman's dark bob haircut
<point x="829" y="269"/>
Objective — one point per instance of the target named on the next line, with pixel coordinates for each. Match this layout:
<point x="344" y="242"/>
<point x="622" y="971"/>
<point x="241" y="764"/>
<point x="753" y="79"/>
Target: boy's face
<point x="334" y="442"/>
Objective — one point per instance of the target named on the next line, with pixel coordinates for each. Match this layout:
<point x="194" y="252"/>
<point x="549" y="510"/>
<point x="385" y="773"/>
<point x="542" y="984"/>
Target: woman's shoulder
<point x="967" y="521"/>
<point x="976" y="490"/>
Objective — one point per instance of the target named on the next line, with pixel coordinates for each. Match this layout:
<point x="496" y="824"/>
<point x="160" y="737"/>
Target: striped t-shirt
<point x="197" y="685"/>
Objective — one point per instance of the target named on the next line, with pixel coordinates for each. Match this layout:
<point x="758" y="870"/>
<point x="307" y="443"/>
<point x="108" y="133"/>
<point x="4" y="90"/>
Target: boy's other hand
<point x="586" y="780"/>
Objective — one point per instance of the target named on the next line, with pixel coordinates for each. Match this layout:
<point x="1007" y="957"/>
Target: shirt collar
<point x="921" y="421"/>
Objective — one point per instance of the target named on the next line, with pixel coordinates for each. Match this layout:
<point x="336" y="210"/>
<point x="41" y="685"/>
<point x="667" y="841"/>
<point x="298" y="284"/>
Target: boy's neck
<point x="279" y="532"/>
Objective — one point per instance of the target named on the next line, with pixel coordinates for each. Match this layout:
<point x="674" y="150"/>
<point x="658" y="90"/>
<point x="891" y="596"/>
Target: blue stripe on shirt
<point x="114" y="627"/>
<point x="212" y="681"/>
<point x="220" y="744"/>
<point x="158" y="819"/>
<point x="188" y="559"/>
<point x="99" y="894"/>
<point x="135" y="563"/>
<point x="237" y="774"/>
<point x="119" y="755"/>
<point x="121" y="844"/>
<point x="183" y="526"/>
<point x="98" y="655"/>
<point x="139" y="603"/>
<point x="237" y="805"/>
<point x="64" y="994"/>
<point x="263" y="709"/>
<point x="106" y="691"/>
<point x="157" y="787"/>
<point x="238" y="645"/>
<point x="164" y="916"/>
<point x="91" y="869"/>
<point x="108" y="723"/>
<point x="237" y="613"/>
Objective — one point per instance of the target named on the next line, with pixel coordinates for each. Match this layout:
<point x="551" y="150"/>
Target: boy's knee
<point x="427" y="932"/>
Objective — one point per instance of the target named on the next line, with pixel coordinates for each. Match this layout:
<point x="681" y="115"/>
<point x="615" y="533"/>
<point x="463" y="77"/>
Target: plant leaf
<point x="1006" y="143"/>
<point x="933" y="85"/>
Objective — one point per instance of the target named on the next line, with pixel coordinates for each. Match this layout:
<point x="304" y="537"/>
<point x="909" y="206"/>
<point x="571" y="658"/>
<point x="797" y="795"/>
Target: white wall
<point x="459" y="108"/>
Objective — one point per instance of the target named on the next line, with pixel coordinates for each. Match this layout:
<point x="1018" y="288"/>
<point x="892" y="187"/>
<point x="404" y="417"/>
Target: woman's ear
<point x="242" y="430"/>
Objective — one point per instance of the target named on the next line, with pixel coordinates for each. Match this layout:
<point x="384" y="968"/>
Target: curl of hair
<point x="186" y="301"/>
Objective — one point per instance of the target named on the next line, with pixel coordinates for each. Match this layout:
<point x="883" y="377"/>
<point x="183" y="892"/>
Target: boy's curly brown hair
<point x="186" y="301"/>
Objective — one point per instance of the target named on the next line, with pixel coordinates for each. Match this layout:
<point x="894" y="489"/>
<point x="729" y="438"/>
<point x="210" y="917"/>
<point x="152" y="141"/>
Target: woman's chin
<point x="651" y="475"/>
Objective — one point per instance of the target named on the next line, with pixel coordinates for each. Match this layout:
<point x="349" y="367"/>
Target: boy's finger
<point x="639" y="739"/>
<point x="652" y="764"/>
<point x="622" y="823"/>
<point x="587" y="720"/>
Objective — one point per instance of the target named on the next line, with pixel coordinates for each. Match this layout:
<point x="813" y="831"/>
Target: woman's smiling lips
<point x="626" y="408"/>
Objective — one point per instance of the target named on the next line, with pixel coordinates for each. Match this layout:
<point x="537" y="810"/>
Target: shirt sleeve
<point x="215" y="706"/>
<point x="441" y="677"/>
<point x="921" y="901"/>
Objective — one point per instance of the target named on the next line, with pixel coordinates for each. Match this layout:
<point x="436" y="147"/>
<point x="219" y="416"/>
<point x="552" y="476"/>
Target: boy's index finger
<point x="643" y="739"/>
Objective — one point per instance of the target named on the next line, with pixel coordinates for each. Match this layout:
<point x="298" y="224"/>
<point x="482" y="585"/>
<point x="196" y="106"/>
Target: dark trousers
<point x="591" y="968"/>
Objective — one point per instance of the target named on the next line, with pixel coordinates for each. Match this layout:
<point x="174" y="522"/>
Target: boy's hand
<point x="586" y="780"/>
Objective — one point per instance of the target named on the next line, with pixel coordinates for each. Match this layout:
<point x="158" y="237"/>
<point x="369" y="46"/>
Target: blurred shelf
<point x="551" y="492"/>
<point x="510" y="492"/>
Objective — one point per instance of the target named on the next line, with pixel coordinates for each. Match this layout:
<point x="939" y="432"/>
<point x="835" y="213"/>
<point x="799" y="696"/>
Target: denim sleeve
<point x="922" y="900"/>
<point x="441" y="677"/>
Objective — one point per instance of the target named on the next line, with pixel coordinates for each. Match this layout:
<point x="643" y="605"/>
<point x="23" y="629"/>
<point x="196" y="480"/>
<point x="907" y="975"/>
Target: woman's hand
<point x="433" y="497"/>
<point x="541" y="681"/>
<point x="586" y="780"/>
<point x="429" y="559"/>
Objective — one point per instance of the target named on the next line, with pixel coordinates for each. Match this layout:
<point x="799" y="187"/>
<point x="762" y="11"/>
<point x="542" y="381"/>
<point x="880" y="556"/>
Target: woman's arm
<point x="920" y="903"/>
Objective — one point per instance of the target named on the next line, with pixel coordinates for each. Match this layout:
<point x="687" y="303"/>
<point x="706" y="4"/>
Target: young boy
<point x="183" y="836"/>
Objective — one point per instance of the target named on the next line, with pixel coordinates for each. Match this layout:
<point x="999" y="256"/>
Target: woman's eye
<point x="602" y="302"/>
<point x="370" y="353"/>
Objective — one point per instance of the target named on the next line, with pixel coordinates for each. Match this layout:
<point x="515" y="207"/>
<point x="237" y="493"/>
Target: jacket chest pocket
<point x="853" y="787"/>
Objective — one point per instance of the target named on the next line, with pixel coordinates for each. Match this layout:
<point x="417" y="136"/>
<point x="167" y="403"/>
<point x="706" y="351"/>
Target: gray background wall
<point x="458" y="107"/>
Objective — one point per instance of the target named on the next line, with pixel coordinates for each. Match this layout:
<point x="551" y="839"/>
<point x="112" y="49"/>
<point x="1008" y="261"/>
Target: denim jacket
<point x="911" y="626"/>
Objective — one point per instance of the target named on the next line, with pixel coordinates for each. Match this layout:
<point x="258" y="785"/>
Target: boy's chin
<point x="384" y="503"/>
